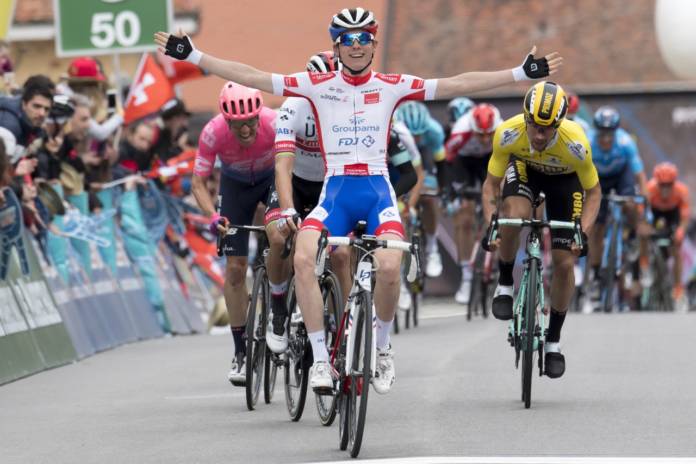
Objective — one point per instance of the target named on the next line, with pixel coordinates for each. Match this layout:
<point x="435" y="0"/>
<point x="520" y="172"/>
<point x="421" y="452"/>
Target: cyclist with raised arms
<point x="241" y="137"/>
<point x="541" y="151"/>
<point x="669" y="201"/>
<point x="468" y="150"/>
<point x="353" y="110"/>
<point x="620" y="168"/>
<point x="430" y="139"/>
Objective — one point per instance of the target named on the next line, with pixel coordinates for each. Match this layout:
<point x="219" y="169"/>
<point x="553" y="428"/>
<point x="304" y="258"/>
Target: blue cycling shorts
<point x="345" y="200"/>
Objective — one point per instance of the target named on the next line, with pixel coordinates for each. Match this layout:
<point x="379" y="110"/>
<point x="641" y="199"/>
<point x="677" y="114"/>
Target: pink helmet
<point x="238" y="102"/>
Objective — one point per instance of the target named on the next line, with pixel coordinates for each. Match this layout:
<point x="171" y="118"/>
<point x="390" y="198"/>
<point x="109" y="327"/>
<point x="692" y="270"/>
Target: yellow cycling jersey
<point x="569" y="151"/>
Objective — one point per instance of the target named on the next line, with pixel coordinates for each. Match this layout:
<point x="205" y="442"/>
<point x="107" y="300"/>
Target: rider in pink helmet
<point x="238" y="102"/>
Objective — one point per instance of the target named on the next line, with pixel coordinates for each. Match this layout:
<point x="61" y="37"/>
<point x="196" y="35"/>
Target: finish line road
<point x="629" y="391"/>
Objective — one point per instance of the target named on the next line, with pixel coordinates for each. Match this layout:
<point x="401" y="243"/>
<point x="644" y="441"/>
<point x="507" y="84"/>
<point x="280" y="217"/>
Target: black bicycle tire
<point x="332" y="287"/>
<point x="254" y="345"/>
<point x="294" y="406"/>
<point x="343" y="400"/>
<point x="414" y="308"/>
<point x="270" y="367"/>
<point x="529" y="318"/>
<point x="363" y="327"/>
<point x="663" y="282"/>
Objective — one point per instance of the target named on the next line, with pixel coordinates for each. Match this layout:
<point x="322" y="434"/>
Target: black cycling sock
<point x="238" y="336"/>
<point x="279" y="306"/>
<point x="553" y="335"/>
<point x="595" y="272"/>
<point x="505" y="277"/>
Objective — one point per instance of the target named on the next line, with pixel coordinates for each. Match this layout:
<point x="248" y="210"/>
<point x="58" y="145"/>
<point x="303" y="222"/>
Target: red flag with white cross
<point x="150" y="90"/>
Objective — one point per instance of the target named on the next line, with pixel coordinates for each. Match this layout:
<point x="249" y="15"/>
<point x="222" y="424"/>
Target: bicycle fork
<point x="363" y="284"/>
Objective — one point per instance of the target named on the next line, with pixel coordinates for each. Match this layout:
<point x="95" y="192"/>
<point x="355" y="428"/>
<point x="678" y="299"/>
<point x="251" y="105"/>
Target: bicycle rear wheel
<point x="414" y="308"/>
<point x="360" y="372"/>
<point x="529" y="326"/>
<point x="256" y="341"/>
<point x="333" y="302"/>
<point x="296" y="364"/>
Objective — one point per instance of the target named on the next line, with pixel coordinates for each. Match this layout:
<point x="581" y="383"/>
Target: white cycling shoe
<point x="385" y="374"/>
<point x="321" y="378"/>
<point x="404" y="297"/>
<point x="276" y="343"/>
<point x="237" y="374"/>
<point x="464" y="293"/>
<point x="433" y="268"/>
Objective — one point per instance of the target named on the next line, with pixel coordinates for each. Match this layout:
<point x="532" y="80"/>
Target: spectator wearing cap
<point x="173" y="135"/>
<point x="24" y="115"/>
<point x="85" y="77"/>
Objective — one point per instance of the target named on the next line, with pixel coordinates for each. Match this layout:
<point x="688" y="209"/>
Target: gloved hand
<point x="532" y="68"/>
<point x="216" y="220"/>
<point x="182" y="48"/>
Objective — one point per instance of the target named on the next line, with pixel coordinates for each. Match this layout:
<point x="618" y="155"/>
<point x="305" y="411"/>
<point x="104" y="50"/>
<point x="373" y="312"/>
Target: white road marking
<point x="213" y="396"/>
<point x="519" y="460"/>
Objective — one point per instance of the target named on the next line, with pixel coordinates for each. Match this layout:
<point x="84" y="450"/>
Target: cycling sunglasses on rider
<point x="530" y="121"/>
<point x="349" y="38"/>
<point x="238" y="124"/>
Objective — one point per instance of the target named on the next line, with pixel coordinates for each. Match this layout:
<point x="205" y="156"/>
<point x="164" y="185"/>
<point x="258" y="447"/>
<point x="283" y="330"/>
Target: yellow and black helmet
<point x="546" y="104"/>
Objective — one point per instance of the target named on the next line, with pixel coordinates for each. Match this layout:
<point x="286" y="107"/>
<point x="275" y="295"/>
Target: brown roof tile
<point x="602" y="42"/>
<point x="41" y="11"/>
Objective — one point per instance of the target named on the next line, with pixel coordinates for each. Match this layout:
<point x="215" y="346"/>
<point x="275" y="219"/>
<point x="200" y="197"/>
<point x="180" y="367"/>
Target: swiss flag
<point x="178" y="71"/>
<point x="150" y="90"/>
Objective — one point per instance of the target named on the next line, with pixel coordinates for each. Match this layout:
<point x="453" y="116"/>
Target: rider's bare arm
<point x="283" y="178"/>
<point x="490" y="196"/>
<point x="238" y="72"/>
<point x="590" y="209"/>
<point x="470" y="82"/>
<point x="200" y="192"/>
<point x="415" y="192"/>
<point x="230" y="70"/>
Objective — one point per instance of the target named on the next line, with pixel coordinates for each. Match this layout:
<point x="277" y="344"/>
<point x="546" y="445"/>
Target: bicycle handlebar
<point x="536" y="224"/>
<point x="325" y="241"/>
<point x="625" y="198"/>
<point x="232" y="230"/>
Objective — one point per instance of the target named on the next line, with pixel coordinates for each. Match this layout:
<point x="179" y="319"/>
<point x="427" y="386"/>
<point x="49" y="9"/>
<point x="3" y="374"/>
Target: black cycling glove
<point x="531" y="68"/>
<point x="182" y="48"/>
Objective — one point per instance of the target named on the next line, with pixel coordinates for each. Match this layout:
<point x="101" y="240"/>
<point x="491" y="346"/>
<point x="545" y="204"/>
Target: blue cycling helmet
<point x="458" y="107"/>
<point x="606" y="117"/>
<point x="352" y="18"/>
<point x="415" y="115"/>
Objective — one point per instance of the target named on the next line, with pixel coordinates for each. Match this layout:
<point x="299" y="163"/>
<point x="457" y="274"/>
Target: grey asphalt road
<point x="629" y="390"/>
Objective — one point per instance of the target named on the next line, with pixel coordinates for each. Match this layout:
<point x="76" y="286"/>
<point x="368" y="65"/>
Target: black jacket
<point x="14" y="119"/>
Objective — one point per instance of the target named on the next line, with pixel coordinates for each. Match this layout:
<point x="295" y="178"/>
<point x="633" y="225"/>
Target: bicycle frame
<point x="363" y="282"/>
<point x="533" y="258"/>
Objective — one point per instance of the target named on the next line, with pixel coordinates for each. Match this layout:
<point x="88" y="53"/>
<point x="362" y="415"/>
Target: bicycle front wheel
<point x="360" y="372"/>
<point x="256" y="337"/>
<point x="296" y="364"/>
<point x="529" y="327"/>
<point x="333" y="302"/>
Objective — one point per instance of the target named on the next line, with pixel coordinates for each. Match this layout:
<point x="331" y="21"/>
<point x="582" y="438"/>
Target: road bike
<point x="353" y="355"/>
<point x="527" y="329"/>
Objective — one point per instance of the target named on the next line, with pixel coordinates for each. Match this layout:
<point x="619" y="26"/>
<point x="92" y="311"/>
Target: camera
<point x="62" y="109"/>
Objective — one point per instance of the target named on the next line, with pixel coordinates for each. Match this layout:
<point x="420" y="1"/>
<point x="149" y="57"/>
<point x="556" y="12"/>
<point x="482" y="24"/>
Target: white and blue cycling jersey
<point x="622" y="155"/>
